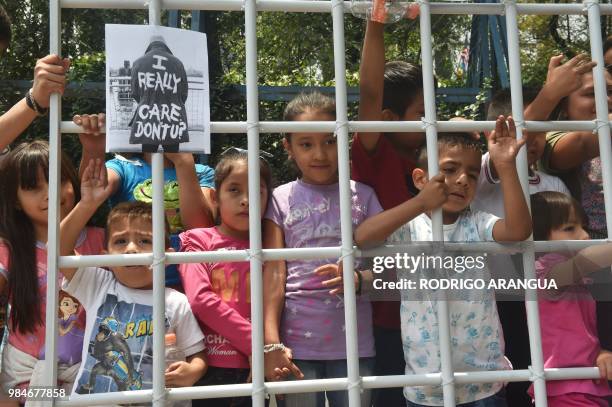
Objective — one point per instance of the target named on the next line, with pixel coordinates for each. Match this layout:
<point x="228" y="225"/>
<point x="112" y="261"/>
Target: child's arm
<point x="376" y="229"/>
<point x="93" y="193"/>
<point x="503" y="148"/>
<point x="278" y="364"/>
<point x="93" y="141"/>
<point x="193" y="202"/>
<point x="585" y="262"/>
<point x="186" y="373"/>
<point x="575" y="147"/>
<point x="371" y="81"/>
<point x="49" y="77"/>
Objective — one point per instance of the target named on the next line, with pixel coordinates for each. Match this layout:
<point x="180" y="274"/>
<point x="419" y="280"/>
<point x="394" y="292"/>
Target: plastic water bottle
<point x="174" y="354"/>
<point x="383" y="11"/>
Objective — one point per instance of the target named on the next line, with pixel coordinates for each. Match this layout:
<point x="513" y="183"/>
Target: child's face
<point x="409" y="142"/>
<point x="571" y="230"/>
<point x="315" y="154"/>
<point x="232" y="200"/>
<point x="581" y="102"/>
<point x="35" y="202"/>
<point x="461" y="168"/>
<point x="131" y="236"/>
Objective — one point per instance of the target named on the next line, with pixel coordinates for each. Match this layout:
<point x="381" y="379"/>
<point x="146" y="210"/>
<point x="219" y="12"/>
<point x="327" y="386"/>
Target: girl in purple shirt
<point x="303" y="303"/>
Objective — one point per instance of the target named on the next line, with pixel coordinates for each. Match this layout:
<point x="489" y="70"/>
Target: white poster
<point x="157" y="93"/>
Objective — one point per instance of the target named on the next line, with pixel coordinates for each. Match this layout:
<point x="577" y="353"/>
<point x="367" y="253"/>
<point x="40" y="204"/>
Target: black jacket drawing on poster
<point x="160" y="87"/>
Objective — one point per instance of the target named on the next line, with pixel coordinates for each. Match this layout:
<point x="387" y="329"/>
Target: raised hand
<point x="564" y="78"/>
<point x="92" y="136"/>
<point x="503" y="145"/>
<point x="49" y="77"/>
<point x="94" y="183"/>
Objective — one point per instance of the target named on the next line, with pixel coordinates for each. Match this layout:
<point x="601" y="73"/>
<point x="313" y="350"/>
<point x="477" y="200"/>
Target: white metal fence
<point x="253" y="128"/>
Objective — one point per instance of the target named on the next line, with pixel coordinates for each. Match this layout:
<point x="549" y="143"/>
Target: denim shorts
<point x="327" y="369"/>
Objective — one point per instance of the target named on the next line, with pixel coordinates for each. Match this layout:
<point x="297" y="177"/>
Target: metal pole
<point x="324" y="6"/>
<point x="429" y="97"/>
<point x="531" y="302"/>
<point x="346" y="225"/>
<point x="379" y="126"/>
<point x="159" y="249"/>
<point x="257" y="368"/>
<point x="55" y="148"/>
<point x="601" y="105"/>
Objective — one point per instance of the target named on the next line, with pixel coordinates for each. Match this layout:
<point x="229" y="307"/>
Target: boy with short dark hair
<point x="477" y="338"/>
<point x="117" y="352"/>
<point x="385" y="161"/>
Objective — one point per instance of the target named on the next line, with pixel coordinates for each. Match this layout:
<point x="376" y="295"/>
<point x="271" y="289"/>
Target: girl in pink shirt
<point x="219" y="293"/>
<point x="567" y="315"/>
<point x="23" y="266"/>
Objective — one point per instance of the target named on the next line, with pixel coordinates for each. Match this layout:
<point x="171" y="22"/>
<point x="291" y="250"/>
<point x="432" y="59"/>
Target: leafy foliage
<point x="293" y="49"/>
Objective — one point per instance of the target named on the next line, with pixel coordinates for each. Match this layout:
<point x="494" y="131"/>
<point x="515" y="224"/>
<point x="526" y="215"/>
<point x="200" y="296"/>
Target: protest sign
<point x="157" y="92"/>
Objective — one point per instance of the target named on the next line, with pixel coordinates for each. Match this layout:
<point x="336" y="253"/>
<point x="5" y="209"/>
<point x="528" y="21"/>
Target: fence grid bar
<point x="346" y="225"/>
<point x="374" y="126"/>
<point x="337" y="384"/>
<point x="531" y="303"/>
<point x="601" y="105"/>
<point x="252" y="127"/>
<point x="257" y="340"/>
<point x="431" y="131"/>
<point x="159" y="249"/>
<point x="324" y="6"/>
<point x="325" y="252"/>
<point x="55" y="148"/>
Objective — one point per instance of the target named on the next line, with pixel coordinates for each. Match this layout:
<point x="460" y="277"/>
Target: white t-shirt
<point x="477" y="340"/>
<point x="490" y="198"/>
<point x="118" y="345"/>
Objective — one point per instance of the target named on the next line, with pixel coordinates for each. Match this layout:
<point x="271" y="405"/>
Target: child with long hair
<point x="306" y="213"/>
<point x="23" y="264"/>
<point x="219" y="292"/>
<point x="567" y="315"/>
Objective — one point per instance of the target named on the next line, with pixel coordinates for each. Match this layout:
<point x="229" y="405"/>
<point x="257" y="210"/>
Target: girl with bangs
<point x="24" y="203"/>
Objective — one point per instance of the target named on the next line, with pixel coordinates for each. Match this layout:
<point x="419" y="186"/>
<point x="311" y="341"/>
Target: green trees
<point x="293" y="49"/>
